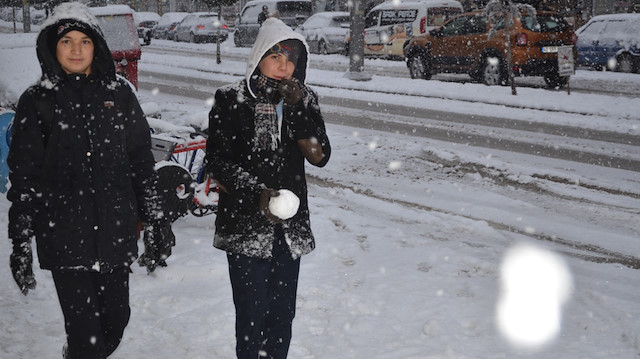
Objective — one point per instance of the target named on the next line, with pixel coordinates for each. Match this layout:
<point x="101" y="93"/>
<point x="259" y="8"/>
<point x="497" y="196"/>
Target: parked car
<point x="145" y="21"/>
<point x="291" y="12"/>
<point x="201" y="27"/>
<point x="466" y="44"/>
<point x="168" y="23"/>
<point x="117" y="25"/>
<point x="325" y="32"/>
<point x="610" y="41"/>
<point x="390" y="25"/>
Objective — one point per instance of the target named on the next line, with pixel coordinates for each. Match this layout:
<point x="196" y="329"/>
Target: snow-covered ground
<point x="412" y="235"/>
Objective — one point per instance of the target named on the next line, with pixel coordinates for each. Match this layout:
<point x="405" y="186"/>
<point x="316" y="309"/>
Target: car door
<point x="372" y="29"/>
<point x="588" y="43"/>
<point x="182" y="31"/>
<point x="612" y="39"/>
<point x="451" y="47"/>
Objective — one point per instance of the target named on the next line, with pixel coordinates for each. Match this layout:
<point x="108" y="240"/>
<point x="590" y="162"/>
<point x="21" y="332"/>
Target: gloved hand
<point x="263" y="204"/>
<point x="158" y="240"/>
<point x="290" y="91"/>
<point x="21" y="262"/>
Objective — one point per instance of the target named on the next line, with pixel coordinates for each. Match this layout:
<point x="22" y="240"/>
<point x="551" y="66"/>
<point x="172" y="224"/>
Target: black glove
<point x="158" y="240"/>
<point x="21" y="262"/>
<point x="263" y="204"/>
<point x="290" y="91"/>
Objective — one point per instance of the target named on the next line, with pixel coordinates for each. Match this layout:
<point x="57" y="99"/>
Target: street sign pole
<point x="566" y="65"/>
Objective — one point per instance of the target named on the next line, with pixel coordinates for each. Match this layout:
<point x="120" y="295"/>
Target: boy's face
<point x="277" y="66"/>
<point x="74" y="52"/>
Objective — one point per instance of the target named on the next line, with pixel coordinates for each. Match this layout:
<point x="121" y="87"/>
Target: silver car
<point x="325" y="32"/>
<point x="201" y="27"/>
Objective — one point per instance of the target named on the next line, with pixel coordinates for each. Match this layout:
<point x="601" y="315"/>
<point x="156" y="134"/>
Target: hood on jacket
<point x="52" y="72"/>
<point x="272" y="32"/>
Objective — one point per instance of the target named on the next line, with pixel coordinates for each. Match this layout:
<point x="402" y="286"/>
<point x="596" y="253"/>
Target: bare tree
<point x="499" y="10"/>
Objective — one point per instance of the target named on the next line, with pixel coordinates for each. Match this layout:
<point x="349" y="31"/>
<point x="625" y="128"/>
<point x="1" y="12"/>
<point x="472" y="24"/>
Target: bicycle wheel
<point x="176" y="185"/>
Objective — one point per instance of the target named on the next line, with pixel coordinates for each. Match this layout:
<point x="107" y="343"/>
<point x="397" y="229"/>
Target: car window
<point x="477" y="25"/>
<point x="617" y="28"/>
<point x="315" y="22"/>
<point x="372" y="19"/>
<point x="437" y="16"/>
<point x="544" y="23"/>
<point x="592" y="30"/>
<point x="339" y="20"/>
<point x="250" y="13"/>
<point x="187" y="20"/>
<point x="456" y="26"/>
<point x="393" y="17"/>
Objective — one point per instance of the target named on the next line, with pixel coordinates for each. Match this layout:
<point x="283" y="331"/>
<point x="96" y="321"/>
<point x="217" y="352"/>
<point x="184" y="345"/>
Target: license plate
<point x="549" y="49"/>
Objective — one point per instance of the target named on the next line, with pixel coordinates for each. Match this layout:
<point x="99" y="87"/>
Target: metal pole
<point x="356" y="44"/>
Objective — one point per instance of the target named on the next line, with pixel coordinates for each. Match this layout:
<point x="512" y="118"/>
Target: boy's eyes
<point x="84" y="42"/>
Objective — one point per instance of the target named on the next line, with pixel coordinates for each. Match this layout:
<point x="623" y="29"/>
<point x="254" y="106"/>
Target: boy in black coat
<point x="262" y="131"/>
<point x="82" y="176"/>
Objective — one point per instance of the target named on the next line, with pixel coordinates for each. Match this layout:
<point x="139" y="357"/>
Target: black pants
<point x="96" y="311"/>
<point x="264" y="294"/>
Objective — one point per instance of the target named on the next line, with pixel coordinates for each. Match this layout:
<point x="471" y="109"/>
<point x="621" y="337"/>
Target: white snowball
<point x="535" y="284"/>
<point x="285" y="205"/>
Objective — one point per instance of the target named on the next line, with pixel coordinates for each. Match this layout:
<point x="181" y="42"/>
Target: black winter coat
<point x="244" y="173"/>
<point x="81" y="169"/>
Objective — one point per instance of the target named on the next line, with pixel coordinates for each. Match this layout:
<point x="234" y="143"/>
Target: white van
<point x="391" y="24"/>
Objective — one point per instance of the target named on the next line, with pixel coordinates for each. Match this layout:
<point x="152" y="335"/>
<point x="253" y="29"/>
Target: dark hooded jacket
<point x="244" y="172"/>
<point x="81" y="169"/>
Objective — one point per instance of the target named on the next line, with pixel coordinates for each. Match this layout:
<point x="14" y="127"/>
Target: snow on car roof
<point x="111" y="10"/>
<point x="141" y="16"/>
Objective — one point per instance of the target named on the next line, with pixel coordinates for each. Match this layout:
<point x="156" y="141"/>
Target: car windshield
<point x="544" y="23"/>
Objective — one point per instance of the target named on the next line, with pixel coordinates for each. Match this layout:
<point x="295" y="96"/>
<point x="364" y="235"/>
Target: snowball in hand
<point x="285" y="205"/>
<point x="535" y="283"/>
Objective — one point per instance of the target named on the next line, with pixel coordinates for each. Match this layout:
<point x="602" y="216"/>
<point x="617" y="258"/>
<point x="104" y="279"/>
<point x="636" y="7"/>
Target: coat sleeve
<point x="234" y="179"/>
<point x="144" y="177"/>
<point x="25" y="161"/>
<point x="306" y="121"/>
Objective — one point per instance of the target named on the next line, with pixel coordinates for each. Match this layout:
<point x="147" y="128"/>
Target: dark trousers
<point x="264" y="294"/>
<point x="96" y="311"/>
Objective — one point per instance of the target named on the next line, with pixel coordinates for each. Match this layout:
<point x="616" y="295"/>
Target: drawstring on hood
<point x="272" y="32"/>
<point x="68" y="17"/>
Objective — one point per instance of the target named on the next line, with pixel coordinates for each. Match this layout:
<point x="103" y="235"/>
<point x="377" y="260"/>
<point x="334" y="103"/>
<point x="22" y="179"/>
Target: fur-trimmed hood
<point x="52" y="72"/>
<point x="272" y="32"/>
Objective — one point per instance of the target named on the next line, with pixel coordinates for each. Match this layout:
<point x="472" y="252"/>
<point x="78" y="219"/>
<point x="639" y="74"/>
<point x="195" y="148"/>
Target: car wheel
<point x="493" y="71"/>
<point x="556" y="81"/>
<point x="322" y="47"/>
<point x="418" y="67"/>
<point x="625" y="64"/>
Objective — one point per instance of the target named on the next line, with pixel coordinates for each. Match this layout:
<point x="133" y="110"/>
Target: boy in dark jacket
<point x="261" y="131"/>
<point x="82" y="175"/>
